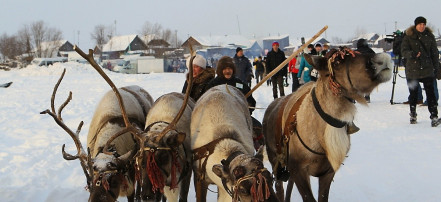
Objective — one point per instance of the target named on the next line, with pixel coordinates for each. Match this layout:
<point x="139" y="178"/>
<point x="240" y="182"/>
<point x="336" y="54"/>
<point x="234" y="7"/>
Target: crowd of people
<point x="418" y="48"/>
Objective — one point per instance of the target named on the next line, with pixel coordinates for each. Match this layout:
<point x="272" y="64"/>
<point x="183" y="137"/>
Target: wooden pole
<point x="278" y="68"/>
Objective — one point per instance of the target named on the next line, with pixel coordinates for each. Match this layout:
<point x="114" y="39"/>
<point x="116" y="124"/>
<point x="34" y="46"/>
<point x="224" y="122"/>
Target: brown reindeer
<point x="306" y="132"/>
<point x="109" y="172"/>
<point x="223" y="152"/>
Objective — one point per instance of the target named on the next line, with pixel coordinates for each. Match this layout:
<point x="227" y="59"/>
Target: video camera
<point x="390" y="38"/>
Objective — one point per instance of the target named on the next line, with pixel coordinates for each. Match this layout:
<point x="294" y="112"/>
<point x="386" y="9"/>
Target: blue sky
<point x="204" y="17"/>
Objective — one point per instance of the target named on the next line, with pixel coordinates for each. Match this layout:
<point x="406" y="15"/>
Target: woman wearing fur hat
<point x="420" y="49"/>
<point x="201" y="76"/>
<point x="226" y="74"/>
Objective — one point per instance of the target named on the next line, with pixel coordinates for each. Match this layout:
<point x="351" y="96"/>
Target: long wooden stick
<point x="278" y="68"/>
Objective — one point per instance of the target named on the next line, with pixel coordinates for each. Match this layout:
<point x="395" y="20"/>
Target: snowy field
<point x="389" y="160"/>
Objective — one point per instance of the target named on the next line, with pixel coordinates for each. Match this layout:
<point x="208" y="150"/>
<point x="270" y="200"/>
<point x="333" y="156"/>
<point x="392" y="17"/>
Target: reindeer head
<point x="163" y="162"/>
<point x="352" y="73"/>
<point x="109" y="175"/>
<point x="249" y="180"/>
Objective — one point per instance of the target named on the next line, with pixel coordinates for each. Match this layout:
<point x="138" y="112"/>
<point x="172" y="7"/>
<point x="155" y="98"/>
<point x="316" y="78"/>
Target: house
<point x="371" y="38"/>
<point x="158" y="47"/>
<point x="119" y="45"/>
<point x="214" y="47"/>
<point x="49" y="49"/>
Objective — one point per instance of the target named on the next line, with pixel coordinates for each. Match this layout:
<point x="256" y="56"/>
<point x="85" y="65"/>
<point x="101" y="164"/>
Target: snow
<point x="389" y="160"/>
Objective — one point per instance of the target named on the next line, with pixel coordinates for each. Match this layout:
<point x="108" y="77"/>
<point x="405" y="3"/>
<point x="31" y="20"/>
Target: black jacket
<point x="274" y="59"/>
<point x="199" y="83"/>
<point x="259" y="66"/>
<point x="234" y="81"/>
<point x="428" y="63"/>
<point x="243" y="68"/>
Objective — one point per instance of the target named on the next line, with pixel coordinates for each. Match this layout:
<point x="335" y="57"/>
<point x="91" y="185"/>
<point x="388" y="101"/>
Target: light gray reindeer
<point x="109" y="173"/>
<point x="306" y="132"/>
<point x="223" y="152"/>
<point x="166" y="167"/>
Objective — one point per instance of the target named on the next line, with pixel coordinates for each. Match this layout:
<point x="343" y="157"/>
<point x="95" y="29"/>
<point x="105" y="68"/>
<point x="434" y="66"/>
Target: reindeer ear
<point x="218" y="169"/>
<point x="175" y="139"/>
<point x="259" y="154"/>
<point x="318" y="62"/>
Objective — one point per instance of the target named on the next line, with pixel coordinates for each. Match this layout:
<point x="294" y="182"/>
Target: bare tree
<point x="156" y="30"/>
<point x="359" y="31"/>
<point x="337" y="40"/>
<point x="25" y="38"/>
<point x="100" y="35"/>
<point x="167" y="35"/>
<point x="10" y="47"/>
<point x="38" y="31"/>
<point x="41" y="33"/>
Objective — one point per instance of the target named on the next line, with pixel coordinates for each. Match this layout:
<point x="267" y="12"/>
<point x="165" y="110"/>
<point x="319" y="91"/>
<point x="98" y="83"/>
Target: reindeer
<point x="165" y="140"/>
<point x="168" y="159"/>
<point x="222" y="146"/>
<point x="306" y="132"/>
<point x="109" y="172"/>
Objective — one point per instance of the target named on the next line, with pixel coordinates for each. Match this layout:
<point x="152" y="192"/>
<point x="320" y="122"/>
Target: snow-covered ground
<point x="389" y="160"/>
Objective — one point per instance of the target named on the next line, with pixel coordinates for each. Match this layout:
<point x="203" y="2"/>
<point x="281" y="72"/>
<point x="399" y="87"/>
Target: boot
<point x="413" y="117"/>
<point x="352" y="128"/>
<point x="435" y="121"/>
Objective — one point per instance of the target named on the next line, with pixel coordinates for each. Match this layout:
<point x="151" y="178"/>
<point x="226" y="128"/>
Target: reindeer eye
<point x="242" y="190"/>
<point x="111" y="165"/>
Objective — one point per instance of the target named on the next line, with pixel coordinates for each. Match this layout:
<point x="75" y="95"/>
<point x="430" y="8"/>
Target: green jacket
<point x="428" y="63"/>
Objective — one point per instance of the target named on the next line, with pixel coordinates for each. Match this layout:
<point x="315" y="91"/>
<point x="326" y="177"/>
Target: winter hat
<point x="419" y="20"/>
<point x="224" y="62"/>
<point x="199" y="61"/>
<point x="275" y="43"/>
<point x="238" y="49"/>
<point x="362" y="43"/>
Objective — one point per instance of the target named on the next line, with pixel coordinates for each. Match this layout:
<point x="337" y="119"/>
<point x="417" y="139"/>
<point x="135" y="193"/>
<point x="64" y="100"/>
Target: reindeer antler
<point x="75" y="135"/>
<point x="172" y="125"/>
<point x="129" y="128"/>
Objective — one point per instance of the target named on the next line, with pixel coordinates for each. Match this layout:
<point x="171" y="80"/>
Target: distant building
<point x="49" y="49"/>
<point x="119" y="45"/>
<point x="218" y="46"/>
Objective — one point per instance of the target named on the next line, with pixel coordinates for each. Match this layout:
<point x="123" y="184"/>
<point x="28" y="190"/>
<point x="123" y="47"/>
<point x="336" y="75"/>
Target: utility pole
<point x="396" y="27"/>
<point x="176" y="37"/>
<point x="78" y="37"/>
<point x="238" y="25"/>
<point x="115" y="29"/>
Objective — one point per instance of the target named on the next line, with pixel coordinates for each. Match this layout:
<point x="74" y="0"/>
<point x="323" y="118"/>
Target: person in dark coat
<point x="273" y="59"/>
<point x="363" y="48"/>
<point x="226" y="74"/>
<point x="243" y="65"/>
<point x="201" y="76"/>
<point x="422" y="63"/>
<point x="260" y="69"/>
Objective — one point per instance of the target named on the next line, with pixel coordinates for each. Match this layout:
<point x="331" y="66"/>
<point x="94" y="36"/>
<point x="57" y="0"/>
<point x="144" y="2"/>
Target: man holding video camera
<point x="420" y="51"/>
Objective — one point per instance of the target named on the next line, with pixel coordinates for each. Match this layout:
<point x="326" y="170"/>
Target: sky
<point x="389" y="159"/>
<point x="253" y="19"/>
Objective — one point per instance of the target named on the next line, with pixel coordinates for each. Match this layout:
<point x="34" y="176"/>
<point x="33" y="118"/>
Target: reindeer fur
<point x="365" y="73"/>
<point x="107" y="121"/>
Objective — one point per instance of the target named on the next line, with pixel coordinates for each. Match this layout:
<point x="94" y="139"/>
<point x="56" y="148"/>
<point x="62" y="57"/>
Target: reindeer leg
<point x="303" y="185"/>
<point x="185" y="186"/>
<point x="324" y="186"/>
<point x="289" y="188"/>
<point x="279" y="190"/>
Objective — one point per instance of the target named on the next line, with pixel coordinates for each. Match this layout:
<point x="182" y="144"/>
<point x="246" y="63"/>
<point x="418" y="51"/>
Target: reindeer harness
<point x="334" y="57"/>
<point x="154" y="171"/>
